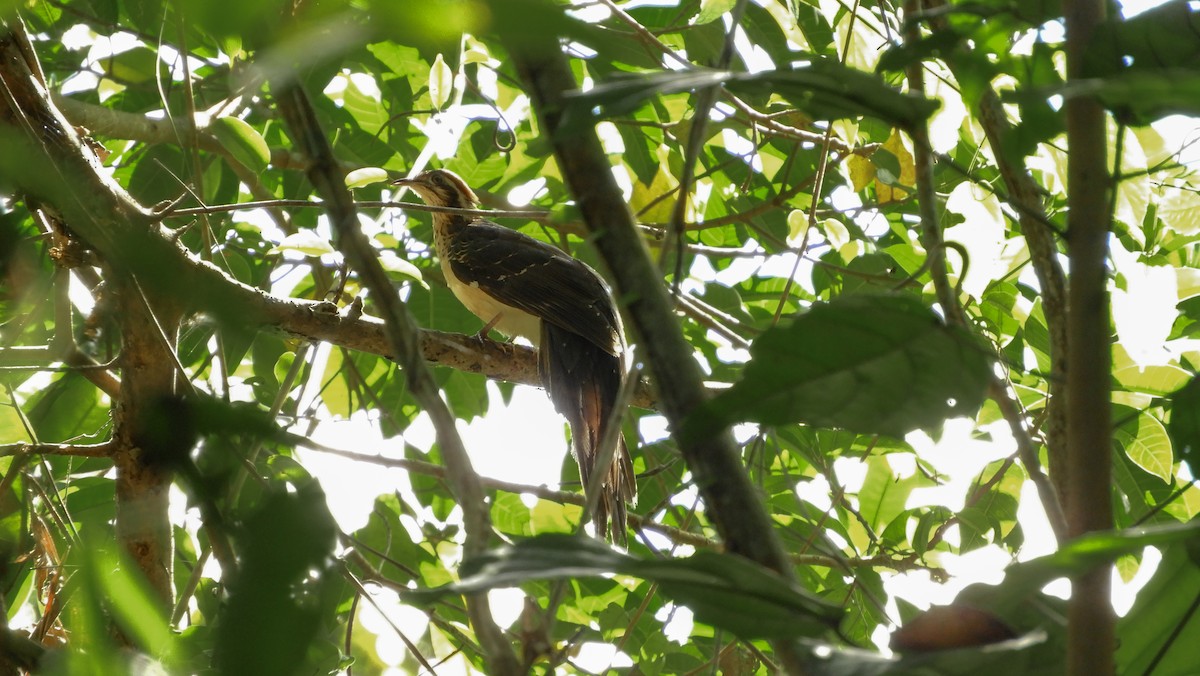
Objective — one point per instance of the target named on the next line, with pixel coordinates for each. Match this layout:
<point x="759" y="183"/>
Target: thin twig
<point x="101" y="450"/>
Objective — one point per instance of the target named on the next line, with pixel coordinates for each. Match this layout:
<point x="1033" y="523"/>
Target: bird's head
<point x="441" y="188"/>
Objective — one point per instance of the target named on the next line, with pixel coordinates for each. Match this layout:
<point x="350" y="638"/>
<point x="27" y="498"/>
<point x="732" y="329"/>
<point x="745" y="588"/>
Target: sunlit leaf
<point x="133" y="605"/>
<point x="898" y="163"/>
<point x="1148" y="446"/>
<point x="67" y="408"/>
<point x="1187" y="282"/>
<point x="441" y="82"/>
<point x="1158" y="380"/>
<point x="1164" y="606"/>
<point x="711" y="10"/>
<point x="132" y="66"/>
<point x="884" y="495"/>
<point x="400" y="266"/>
<point x="305" y="242"/>
<point x="1088" y="551"/>
<point x="862" y="171"/>
<point x="366" y="176"/>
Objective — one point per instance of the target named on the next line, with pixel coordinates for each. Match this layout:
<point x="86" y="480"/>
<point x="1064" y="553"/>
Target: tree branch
<point x="1024" y="196"/>
<point x="733" y="502"/>
<point x="931" y="238"/>
<point x="134" y="127"/>
<point x="102" y="450"/>
<point x="404" y="339"/>
<point x="45" y="159"/>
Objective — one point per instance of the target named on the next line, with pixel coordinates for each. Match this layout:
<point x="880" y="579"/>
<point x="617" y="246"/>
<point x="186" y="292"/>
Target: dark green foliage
<point x="724" y="590"/>
<point x="875" y="364"/>
<point x="806" y="298"/>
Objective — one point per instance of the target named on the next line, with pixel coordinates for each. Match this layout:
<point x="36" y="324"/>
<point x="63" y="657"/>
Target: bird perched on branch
<point x="524" y="287"/>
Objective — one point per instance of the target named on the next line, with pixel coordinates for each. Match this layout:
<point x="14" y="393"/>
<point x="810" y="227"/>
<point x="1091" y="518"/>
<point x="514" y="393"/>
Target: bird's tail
<point x="583" y="381"/>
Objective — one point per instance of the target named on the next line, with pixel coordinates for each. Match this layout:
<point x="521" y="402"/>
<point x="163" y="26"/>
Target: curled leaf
<point x="242" y="141"/>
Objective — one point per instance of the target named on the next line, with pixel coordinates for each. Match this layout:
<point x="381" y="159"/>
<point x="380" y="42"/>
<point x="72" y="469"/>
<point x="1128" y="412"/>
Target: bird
<point x="522" y="286"/>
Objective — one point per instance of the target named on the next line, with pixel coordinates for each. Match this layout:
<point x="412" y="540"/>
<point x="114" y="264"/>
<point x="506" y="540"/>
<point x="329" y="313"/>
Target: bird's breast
<point x="511" y="322"/>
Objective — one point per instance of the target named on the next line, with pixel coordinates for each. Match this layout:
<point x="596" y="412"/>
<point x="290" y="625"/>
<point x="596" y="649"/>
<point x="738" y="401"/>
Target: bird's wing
<point x="522" y="272"/>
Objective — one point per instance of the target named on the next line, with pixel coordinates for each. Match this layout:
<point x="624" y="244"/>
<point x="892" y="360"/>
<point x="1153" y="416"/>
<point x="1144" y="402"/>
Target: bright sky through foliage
<point x="877" y="440"/>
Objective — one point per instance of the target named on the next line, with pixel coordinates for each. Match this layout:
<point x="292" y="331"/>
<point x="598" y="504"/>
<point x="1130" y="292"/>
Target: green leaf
<point x="882" y="364"/>
<point x="67" y="408"/>
<point x="824" y="89"/>
<point x="1085" y="553"/>
<point x="723" y="590"/>
<point x="1139" y="97"/>
<point x="711" y="10"/>
<point x="1158" y="380"/>
<point x="883" y="496"/>
<point x="242" y="141"/>
<point x="1184" y="427"/>
<point x="12" y="428"/>
<point x="393" y="263"/>
<point x="1142" y="68"/>
<point x="364" y="107"/>
<point x="510" y="515"/>
<point x="133" y="604"/>
<point x="1161" y="38"/>
<point x="305" y="242"/>
<point x="365" y="176"/>
<point x="621" y="96"/>
<point x="1146" y="443"/>
<point x="1162" y="607"/>
<point x="283" y="586"/>
<point x="517" y="20"/>
<point x="441" y="82"/>
<point x="828" y="90"/>
<point x="133" y="66"/>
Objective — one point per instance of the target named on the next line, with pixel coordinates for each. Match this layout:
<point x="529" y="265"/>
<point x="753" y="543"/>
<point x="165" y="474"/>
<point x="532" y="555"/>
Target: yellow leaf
<point x="885" y="194"/>
<point x="908" y="170"/>
<point x="797" y="222"/>
<point x="657" y="199"/>
<point x="862" y="172"/>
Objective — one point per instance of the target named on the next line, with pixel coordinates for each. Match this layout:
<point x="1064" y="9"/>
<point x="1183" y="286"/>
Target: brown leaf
<point x="946" y="627"/>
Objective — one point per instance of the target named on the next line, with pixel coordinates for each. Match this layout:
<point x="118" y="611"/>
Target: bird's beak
<point x="404" y="181"/>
